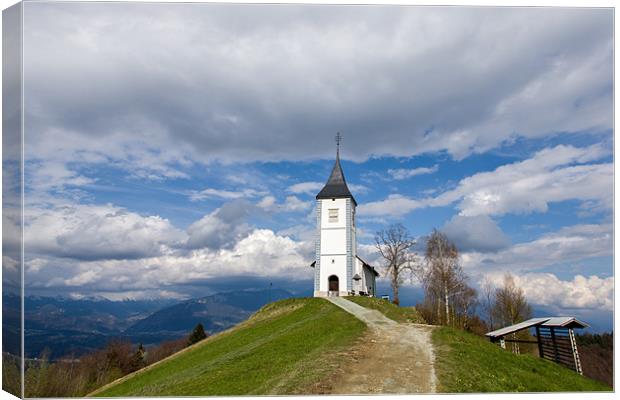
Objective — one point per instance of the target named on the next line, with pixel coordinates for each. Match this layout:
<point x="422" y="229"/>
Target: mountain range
<point x="59" y="326"/>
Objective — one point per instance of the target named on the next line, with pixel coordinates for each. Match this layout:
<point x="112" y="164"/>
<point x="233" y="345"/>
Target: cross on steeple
<point x="338" y="140"/>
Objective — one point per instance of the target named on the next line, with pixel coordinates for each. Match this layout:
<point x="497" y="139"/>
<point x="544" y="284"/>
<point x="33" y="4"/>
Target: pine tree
<point x="197" y="335"/>
<point x="138" y="360"/>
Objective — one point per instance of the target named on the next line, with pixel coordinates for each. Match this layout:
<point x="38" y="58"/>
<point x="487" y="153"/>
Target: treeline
<point x="596" y="352"/>
<point x="76" y="377"/>
<point x="449" y="299"/>
<point x="604" y="340"/>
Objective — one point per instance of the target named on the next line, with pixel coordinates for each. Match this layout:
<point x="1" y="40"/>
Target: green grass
<point x="466" y="363"/>
<point x="390" y="310"/>
<point x="283" y="349"/>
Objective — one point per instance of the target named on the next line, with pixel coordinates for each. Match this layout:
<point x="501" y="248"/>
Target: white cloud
<point x="302" y="232"/>
<point x="54" y="158"/>
<point x="294" y="204"/>
<point x="306" y="188"/>
<point x="290" y="204"/>
<point x="90" y="232"/>
<point x="55" y="175"/>
<point x="267" y="203"/>
<point x="222" y="228"/>
<point x="357" y="189"/>
<point x="547" y="289"/>
<point x="522" y="187"/>
<point x="569" y="244"/>
<point x="209" y="193"/>
<point x="478" y="233"/>
<point x="261" y="253"/>
<point x="402" y="173"/>
<point x="369" y="253"/>
<point x="107" y="232"/>
<point x="530" y="185"/>
<point x="394" y="205"/>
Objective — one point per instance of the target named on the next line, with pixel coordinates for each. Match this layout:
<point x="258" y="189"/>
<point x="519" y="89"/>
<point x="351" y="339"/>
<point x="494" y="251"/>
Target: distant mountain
<point x="62" y="326"/>
<point x="216" y="312"/>
<point x="97" y="315"/>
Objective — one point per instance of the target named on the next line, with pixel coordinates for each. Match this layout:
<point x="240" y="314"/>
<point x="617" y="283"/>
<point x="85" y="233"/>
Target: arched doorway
<point x="333" y="283"/>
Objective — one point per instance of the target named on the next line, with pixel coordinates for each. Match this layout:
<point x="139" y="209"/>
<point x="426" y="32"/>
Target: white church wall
<point x="358" y="286"/>
<point x="369" y="280"/>
<point x="317" y="249"/>
<point x="354" y="234"/>
<point x="329" y="204"/>
<point x="333" y="245"/>
<point x="329" y="268"/>
<point x="333" y="241"/>
<point x="351" y="244"/>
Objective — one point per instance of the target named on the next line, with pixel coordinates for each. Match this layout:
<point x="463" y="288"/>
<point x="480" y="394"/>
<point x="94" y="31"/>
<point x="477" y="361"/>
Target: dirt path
<point x="396" y="358"/>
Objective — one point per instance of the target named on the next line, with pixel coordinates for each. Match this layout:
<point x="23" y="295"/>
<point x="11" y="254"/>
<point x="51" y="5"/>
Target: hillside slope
<point x="283" y="349"/>
<point x="302" y="346"/>
<point x="466" y="363"/>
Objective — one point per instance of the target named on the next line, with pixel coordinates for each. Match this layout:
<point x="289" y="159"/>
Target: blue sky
<point x="176" y="149"/>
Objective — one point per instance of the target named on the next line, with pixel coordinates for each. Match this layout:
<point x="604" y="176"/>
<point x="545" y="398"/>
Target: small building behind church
<point x="338" y="270"/>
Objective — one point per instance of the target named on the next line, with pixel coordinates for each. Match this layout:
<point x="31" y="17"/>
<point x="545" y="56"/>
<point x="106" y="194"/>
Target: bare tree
<point x="394" y="244"/>
<point x="465" y="303"/>
<point x="442" y="276"/>
<point x="488" y="300"/>
<point x="511" y="306"/>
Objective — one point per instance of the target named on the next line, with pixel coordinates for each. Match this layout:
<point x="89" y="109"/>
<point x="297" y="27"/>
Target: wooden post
<point x="540" y="350"/>
<point x="555" y="345"/>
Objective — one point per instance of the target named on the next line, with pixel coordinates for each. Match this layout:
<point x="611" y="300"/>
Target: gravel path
<point x="396" y="358"/>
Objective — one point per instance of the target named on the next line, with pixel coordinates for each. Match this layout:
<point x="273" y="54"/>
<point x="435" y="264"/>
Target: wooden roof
<point x="548" y="322"/>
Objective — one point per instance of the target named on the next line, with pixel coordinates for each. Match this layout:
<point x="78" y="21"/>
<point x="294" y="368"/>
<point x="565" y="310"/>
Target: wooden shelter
<point x="554" y="336"/>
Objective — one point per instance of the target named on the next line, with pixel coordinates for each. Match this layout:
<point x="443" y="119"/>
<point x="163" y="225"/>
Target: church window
<point x="333" y="215"/>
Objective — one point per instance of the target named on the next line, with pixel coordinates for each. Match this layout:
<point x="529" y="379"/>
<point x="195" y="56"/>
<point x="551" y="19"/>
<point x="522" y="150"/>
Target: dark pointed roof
<point x="336" y="186"/>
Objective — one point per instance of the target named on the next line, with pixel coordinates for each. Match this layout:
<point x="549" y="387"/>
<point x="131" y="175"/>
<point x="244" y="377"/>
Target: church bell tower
<point x="335" y="260"/>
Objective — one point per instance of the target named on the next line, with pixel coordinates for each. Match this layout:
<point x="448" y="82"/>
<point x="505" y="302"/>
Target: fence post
<point x="540" y="350"/>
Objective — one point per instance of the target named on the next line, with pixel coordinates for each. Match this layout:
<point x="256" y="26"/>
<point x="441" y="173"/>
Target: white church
<point x="338" y="270"/>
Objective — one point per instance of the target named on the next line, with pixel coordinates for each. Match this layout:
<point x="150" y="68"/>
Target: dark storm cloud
<point x="200" y="82"/>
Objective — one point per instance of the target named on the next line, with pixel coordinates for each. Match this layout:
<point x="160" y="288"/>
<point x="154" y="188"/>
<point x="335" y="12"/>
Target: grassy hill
<point x="283" y="349"/>
<point x="289" y="346"/>
<point x="466" y="363"/>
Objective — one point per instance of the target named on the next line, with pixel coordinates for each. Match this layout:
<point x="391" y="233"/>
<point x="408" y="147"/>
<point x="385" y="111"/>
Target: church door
<point x="333" y="283"/>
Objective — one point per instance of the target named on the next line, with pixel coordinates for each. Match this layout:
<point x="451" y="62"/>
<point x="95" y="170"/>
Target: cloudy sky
<point x="176" y="149"/>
